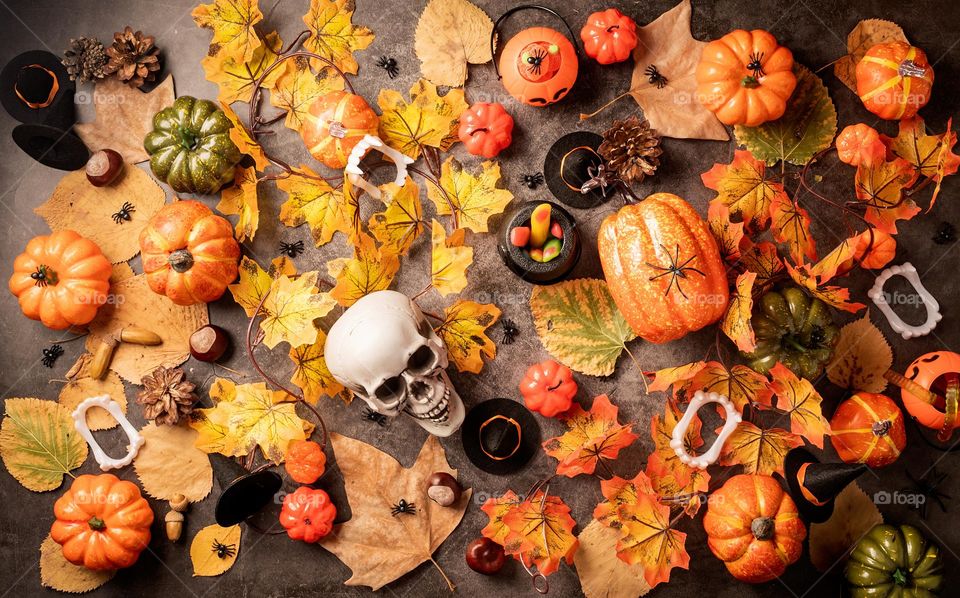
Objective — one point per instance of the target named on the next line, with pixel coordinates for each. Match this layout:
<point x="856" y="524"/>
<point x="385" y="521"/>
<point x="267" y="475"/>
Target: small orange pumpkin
<point x="936" y="371"/>
<point x="894" y="80"/>
<point x="189" y="253"/>
<point x="868" y="428"/>
<point x="745" y="78"/>
<point x="102" y="522"/>
<point x="538" y="66"/>
<point x="609" y="36"/>
<point x="753" y="526"/>
<point x="663" y="268"/>
<point x="335" y="123"/>
<point x="548" y="388"/>
<point x="859" y="143"/>
<point x="60" y="279"/>
<point x="486" y="129"/>
<point x="305" y="461"/>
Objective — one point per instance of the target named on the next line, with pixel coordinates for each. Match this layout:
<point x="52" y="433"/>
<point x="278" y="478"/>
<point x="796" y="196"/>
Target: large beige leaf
<point x="78" y="205"/>
<point x="39" y="444"/>
<point x="169" y="463"/>
<point x="602" y="574"/>
<point x="134" y="304"/>
<point x="377" y="546"/>
<point x="80" y="386"/>
<point x="861" y="358"/>
<point x="57" y="573"/>
<point x="854" y="514"/>
<point x="450" y="34"/>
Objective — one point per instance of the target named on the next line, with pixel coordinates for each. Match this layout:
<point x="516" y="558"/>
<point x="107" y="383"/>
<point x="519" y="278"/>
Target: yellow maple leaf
<point x="241" y="200"/>
<point x="312" y="200"/>
<point x="333" y="35"/>
<point x="736" y="322"/>
<point x="298" y="87"/>
<point x="464" y="331"/>
<point x="232" y="24"/>
<point x="450" y="260"/>
<point x="244" y="140"/>
<point x="743" y="187"/>
<point x="310" y="372"/>
<point x="428" y="119"/>
<point x="760" y="451"/>
<point x="791" y="225"/>
<point x="235" y="79"/>
<point x="371" y="269"/>
<point x="254" y="281"/>
<point x="797" y="398"/>
<point x="397" y="227"/>
<point x="291" y="308"/>
<point x="471" y="199"/>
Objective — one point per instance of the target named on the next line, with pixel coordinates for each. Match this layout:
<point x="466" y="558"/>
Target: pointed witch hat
<point x="814" y="485"/>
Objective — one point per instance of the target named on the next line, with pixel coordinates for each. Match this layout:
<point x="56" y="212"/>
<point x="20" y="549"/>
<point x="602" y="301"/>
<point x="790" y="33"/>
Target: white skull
<point x="384" y="349"/>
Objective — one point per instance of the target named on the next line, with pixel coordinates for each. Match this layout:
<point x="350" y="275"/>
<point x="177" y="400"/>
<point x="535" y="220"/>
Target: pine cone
<point x="632" y="149"/>
<point x="85" y="59"/>
<point x="166" y="396"/>
<point x="133" y="57"/>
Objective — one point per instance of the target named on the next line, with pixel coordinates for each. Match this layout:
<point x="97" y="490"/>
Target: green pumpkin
<point x="190" y="147"/>
<point x="894" y="562"/>
<point x="795" y="329"/>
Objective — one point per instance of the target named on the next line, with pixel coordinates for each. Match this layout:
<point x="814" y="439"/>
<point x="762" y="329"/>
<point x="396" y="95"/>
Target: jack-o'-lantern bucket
<point x="939" y="374"/>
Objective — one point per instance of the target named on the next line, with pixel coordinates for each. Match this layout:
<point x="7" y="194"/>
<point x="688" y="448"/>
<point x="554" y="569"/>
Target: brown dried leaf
<point x="861" y="357"/>
<point x="77" y="205"/>
<point x="121" y="271"/>
<point x="61" y="575"/>
<point x="124" y="117"/>
<point x="169" y="463"/>
<point x="450" y="34"/>
<point x="81" y="386"/>
<point x="854" y="514"/>
<point x="602" y="573"/>
<point x="862" y="37"/>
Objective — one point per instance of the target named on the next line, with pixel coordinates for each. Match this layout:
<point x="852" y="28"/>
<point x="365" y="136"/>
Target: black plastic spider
<point x="407" y="508"/>
<point x="676" y="270"/>
<point x="928" y="485"/>
<point x="756" y="65"/>
<point x="510" y="331"/>
<point x="224" y="550"/>
<point x="532" y="180"/>
<point x="947" y="233"/>
<point x="655" y="77"/>
<point x="50" y="356"/>
<point x="390" y="65"/>
<point x="124" y="212"/>
<point x="41" y="275"/>
<point x="372" y="416"/>
<point x="291" y="250"/>
<point x="535" y="60"/>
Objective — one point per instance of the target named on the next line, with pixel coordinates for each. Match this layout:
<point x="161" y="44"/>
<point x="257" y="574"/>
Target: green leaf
<point x="808" y="125"/>
<point x="39" y="444"/>
<point x="580" y="325"/>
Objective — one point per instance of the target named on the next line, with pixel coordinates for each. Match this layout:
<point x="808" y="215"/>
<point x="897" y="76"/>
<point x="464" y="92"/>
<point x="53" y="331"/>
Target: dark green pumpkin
<point x="894" y="562"/>
<point x="795" y="329"/>
<point x="190" y="147"/>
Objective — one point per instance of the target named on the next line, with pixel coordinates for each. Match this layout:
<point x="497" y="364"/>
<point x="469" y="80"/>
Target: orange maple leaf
<point x="537" y="531"/>
<point x="880" y="185"/>
<point x="931" y="155"/>
<point x="758" y="450"/>
<point x="667" y="377"/>
<point x="729" y="235"/>
<point x="648" y="539"/>
<point x="762" y="259"/>
<point x="618" y="491"/>
<point x="591" y="436"/>
<point x="799" y="401"/>
<point x="674" y="479"/>
<point x="742" y="186"/>
<point x="837" y="297"/>
<point x="736" y="322"/>
<point x="740" y="384"/>
<point x="791" y="225"/>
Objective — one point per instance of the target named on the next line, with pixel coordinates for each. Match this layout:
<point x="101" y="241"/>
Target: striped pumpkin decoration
<point x="868" y="428"/>
<point x="663" y="268"/>
<point x="334" y="124"/>
<point x="894" y="80"/>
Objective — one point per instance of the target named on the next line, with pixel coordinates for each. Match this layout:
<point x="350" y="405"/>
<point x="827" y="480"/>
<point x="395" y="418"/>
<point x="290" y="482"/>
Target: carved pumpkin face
<point x="933" y="371"/>
<point x="538" y="66"/>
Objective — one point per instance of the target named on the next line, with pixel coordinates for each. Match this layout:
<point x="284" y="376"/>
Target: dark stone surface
<point x="274" y="566"/>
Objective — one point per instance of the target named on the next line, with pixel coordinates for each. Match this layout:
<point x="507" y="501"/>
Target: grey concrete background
<point x="274" y="566"/>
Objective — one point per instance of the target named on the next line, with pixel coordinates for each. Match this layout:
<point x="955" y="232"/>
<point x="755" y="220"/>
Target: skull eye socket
<point x="422" y="361"/>
<point x="391" y="388"/>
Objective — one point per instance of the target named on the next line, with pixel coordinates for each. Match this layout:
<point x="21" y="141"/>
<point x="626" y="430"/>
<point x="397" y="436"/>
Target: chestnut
<point x="209" y="343"/>
<point x="485" y="556"/>
<point x="104" y="167"/>
<point x="443" y="489"/>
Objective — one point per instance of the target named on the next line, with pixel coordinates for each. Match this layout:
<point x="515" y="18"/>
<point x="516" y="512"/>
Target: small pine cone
<point x="133" y="57"/>
<point x="166" y="396"/>
<point x="85" y="59"/>
<point x="631" y="149"/>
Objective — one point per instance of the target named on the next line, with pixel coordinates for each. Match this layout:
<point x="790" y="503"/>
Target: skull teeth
<point x="439" y="413"/>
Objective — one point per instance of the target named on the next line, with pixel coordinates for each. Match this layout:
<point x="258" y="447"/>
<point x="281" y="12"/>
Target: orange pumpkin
<point x="102" y="522"/>
<point x="189" y="253"/>
<point x="894" y="80"/>
<point x="538" y="66"/>
<point x="60" y="279"/>
<point x="753" y="526"/>
<point x="868" y="428"/>
<point x="937" y="371"/>
<point x="663" y="268"/>
<point x="334" y="124"/>
<point x="745" y="78"/>
<point x="609" y="36"/>
<point x="305" y="461"/>
<point x="860" y="143"/>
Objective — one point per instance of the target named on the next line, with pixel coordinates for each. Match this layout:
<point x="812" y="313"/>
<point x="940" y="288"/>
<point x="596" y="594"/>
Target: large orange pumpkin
<point x="189" y="253"/>
<point x="745" y="78"/>
<point x="753" y="526"/>
<point x="937" y="371"/>
<point x="894" y="80"/>
<point x="538" y="66"/>
<point x="60" y="279"/>
<point x="663" y="268"/>
<point x="102" y="522"/>
<point x="335" y="123"/>
<point x="868" y="428"/>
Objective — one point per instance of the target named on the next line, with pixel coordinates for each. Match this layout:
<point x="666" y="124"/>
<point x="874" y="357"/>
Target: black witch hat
<point x="500" y="436"/>
<point x="572" y="161"/>
<point x="814" y="485"/>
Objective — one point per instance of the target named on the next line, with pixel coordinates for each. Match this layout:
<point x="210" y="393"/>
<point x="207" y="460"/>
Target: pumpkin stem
<point x="762" y="528"/>
<point x="187" y="139"/>
<point x="881" y="429"/>
<point x="900" y="577"/>
<point x="612" y="28"/>
<point x="750" y="82"/>
<point x="96" y="524"/>
<point x="909" y="68"/>
<point x="180" y="260"/>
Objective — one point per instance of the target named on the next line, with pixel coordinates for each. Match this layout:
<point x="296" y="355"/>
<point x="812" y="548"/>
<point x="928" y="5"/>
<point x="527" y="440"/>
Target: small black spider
<point x="510" y="331"/>
<point x="947" y="233"/>
<point x="756" y="65"/>
<point x="224" y="550"/>
<point x="50" y="356"/>
<point x="124" y="212"/>
<point x="291" y="250"/>
<point x="407" y="508"/>
<point x="532" y="180"/>
<point x="535" y="60"/>
<point x="677" y="270"/>
<point x="390" y="65"/>
<point x="928" y="485"/>
<point x="655" y="77"/>
<point x="372" y="416"/>
<point x="41" y="275"/>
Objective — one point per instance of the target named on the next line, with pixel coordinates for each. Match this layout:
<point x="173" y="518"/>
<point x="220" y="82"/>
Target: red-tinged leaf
<point x="931" y="155"/>
<point x="876" y="251"/>
<point x="496" y="509"/>
<point x="541" y="533"/>
<point x="665" y="378"/>
<point x="661" y="431"/>
<point x="763" y="260"/>
<point x="837" y="297"/>
<point x="743" y="188"/>
<point x="740" y="384"/>
<point x="736" y="321"/>
<point x="729" y="235"/>
<point x="648" y="539"/>
<point x="791" y="225"/>
<point x="759" y="451"/>
<point x="617" y="492"/>
<point x="590" y="436"/>
<point x="839" y="261"/>
<point x="678" y="482"/>
<point x="801" y="403"/>
<point x="880" y="185"/>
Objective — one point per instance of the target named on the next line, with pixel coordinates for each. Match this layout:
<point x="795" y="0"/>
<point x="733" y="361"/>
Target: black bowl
<point x="520" y="262"/>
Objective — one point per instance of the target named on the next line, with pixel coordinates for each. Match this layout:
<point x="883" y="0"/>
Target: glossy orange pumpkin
<point x="102" y="522"/>
<point x="538" y="66"/>
<point x="189" y="253"/>
<point x="335" y="123"/>
<point x="868" y="428"/>
<point x="60" y="279"/>
<point x="486" y="129"/>
<point x="663" y="268"/>
<point x="932" y="371"/>
<point x="305" y="461"/>
<point x="894" y="80"/>
<point x="308" y="514"/>
<point x="753" y="526"/>
<point x="745" y="78"/>
<point x="859" y="143"/>
<point x="609" y="36"/>
<point x="548" y="388"/>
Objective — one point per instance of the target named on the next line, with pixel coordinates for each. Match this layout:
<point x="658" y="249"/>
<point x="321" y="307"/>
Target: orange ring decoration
<point x="925" y="372"/>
